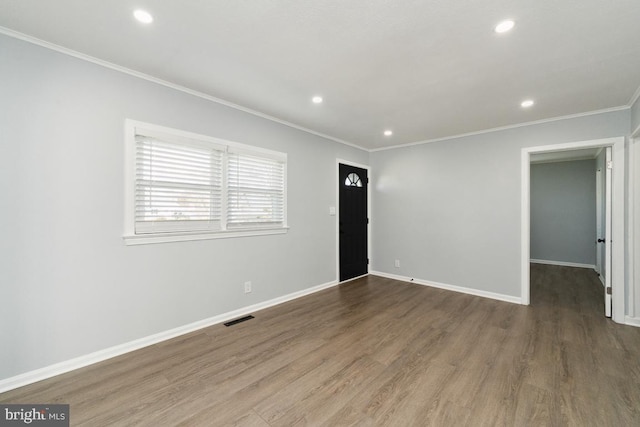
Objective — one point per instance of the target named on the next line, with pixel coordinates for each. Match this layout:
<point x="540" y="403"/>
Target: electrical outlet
<point x="247" y="287"/>
<point x="397" y="263"/>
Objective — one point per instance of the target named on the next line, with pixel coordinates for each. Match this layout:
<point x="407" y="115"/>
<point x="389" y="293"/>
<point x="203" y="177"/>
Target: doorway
<point x="615" y="243"/>
<point x="353" y="220"/>
<point x="567" y="214"/>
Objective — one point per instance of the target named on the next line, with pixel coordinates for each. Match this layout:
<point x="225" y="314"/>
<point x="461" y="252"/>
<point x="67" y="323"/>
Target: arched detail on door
<point x="353" y="180"/>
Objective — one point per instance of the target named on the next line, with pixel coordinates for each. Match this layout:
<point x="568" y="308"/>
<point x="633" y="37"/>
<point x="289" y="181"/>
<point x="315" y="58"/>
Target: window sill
<point x="146" y="239"/>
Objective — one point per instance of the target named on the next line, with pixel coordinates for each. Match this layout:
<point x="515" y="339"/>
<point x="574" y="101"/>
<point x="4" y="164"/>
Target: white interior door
<point x="607" y="235"/>
<point x="599" y="230"/>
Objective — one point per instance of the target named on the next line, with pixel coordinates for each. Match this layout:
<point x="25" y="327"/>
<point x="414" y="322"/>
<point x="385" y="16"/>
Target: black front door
<point x="353" y="221"/>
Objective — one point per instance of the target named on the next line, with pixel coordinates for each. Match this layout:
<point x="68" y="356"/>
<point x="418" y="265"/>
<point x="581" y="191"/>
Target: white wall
<point x="69" y="285"/>
<point x="450" y="210"/>
<point x="563" y="212"/>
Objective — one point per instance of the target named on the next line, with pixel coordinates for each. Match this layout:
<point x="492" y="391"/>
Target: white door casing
<point x="617" y="233"/>
<point x="607" y="234"/>
<point x="599" y="203"/>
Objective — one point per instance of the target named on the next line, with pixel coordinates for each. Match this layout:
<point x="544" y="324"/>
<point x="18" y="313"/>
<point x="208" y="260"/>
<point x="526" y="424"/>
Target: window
<point x="353" y="180"/>
<point x="183" y="186"/>
<point x="178" y="186"/>
<point x="255" y="188"/>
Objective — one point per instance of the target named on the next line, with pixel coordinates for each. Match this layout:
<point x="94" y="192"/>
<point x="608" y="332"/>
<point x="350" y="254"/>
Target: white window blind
<point x="178" y="186"/>
<point x="184" y="186"/>
<point x="255" y="191"/>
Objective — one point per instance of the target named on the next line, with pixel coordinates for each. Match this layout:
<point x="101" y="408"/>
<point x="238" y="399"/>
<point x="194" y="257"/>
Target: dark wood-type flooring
<point x="378" y="352"/>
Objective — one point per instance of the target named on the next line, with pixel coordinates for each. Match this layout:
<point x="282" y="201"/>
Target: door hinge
<point x="610" y="164"/>
<point x="368" y="264"/>
<point x="609" y="290"/>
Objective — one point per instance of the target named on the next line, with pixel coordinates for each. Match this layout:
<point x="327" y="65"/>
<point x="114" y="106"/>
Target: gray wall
<point x="69" y="285"/>
<point x="635" y="116"/>
<point x="450" y="210"/>
<point x="563" y="212"/>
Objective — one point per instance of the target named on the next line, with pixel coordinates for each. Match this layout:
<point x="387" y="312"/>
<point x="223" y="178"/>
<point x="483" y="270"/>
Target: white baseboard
<point x="562" y="263"/>
<point x="470" y="291"/>
<point x="632" y="321"/>
<point x="101" y="355"/>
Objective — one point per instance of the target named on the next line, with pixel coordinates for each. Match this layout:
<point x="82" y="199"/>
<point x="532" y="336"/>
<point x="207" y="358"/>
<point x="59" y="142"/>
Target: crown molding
<point x="79" y="55"/>
<point x="635" y="97"/>
<point x="501" y="128"/>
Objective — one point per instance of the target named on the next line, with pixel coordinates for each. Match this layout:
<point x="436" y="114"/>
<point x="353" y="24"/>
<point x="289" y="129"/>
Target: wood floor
<point x="378" y="352"/>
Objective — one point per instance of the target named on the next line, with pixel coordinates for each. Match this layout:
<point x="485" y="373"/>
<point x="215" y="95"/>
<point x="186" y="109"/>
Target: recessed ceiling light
<point x="317" y="100"/>
<point x="504" y="26"/>
<point x="388" y="133"/>
<point x="143" y="16"/>
<point x="526" y="103"/>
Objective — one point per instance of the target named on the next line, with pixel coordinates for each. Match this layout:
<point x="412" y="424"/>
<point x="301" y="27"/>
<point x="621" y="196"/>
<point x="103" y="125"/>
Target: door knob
<point x="600" y="241"/>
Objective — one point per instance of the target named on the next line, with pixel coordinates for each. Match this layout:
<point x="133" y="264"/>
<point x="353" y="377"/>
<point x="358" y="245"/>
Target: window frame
<point x="133" y="128"/>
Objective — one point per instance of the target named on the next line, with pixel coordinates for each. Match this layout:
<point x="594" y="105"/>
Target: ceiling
<point x="425" y="69"/>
